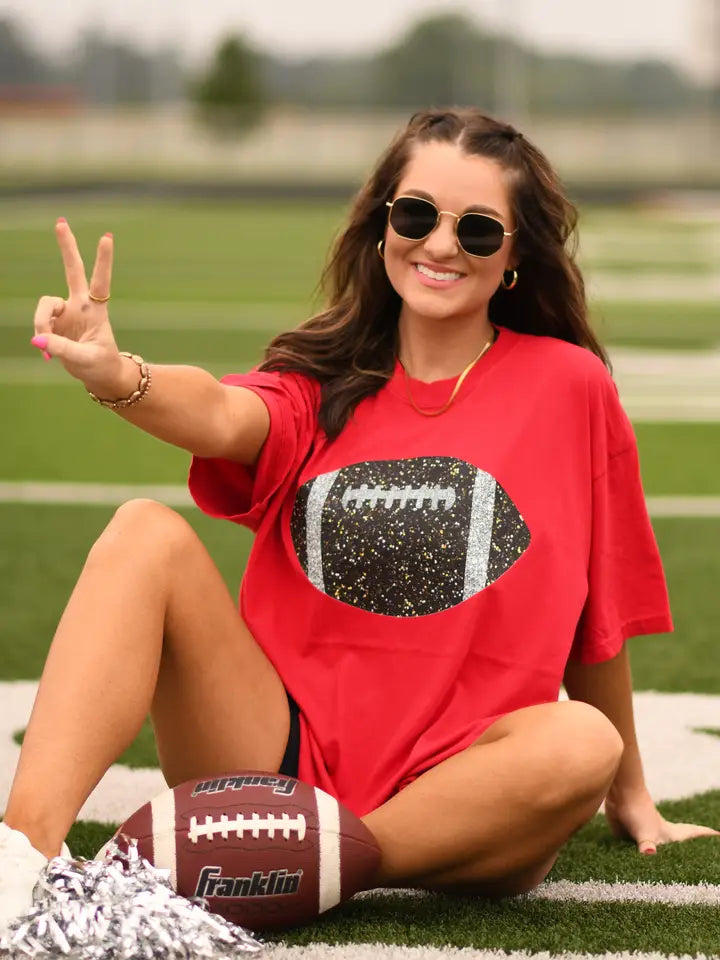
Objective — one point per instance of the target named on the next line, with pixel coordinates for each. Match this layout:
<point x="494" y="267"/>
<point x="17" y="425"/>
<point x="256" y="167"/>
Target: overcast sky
<point x="668" y="28"/>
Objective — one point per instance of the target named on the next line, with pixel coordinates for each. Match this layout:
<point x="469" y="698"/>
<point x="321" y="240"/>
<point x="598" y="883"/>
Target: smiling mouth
<point x="440" y="275"/>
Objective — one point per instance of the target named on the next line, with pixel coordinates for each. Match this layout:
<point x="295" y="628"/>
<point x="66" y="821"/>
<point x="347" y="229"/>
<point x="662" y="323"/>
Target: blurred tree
<point x="19" y="65"/>
<point x="574" y="85"/>
<point x="655" y="85"/>
<point x="109" y="71"/>
<point x="230" y="97"/>
<point x="444" y="59"/>
<point x="319" y="81"/>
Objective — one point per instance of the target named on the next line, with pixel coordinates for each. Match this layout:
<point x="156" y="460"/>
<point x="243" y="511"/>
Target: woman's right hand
<point x="77" y="331"/>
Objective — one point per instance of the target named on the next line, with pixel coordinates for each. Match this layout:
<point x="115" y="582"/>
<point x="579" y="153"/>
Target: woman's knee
<point x="143" y="528"/>
<point x="589" y="750"/>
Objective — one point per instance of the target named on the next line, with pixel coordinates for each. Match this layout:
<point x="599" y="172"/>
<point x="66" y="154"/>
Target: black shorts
<point x="291" y="760"/>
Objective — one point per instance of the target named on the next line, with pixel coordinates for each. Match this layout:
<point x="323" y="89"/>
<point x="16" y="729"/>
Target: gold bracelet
<point x="137" y="395"/>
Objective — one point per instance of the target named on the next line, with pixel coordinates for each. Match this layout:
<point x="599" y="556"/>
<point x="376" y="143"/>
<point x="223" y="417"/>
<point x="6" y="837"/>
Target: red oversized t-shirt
<point x="419" y="577"/>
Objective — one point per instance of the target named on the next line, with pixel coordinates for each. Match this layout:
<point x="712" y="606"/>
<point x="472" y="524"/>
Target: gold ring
<point x="99" y="299"/>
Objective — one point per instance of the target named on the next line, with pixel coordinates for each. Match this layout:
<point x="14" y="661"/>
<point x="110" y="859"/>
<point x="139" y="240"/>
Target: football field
<point x="209" y="283"/>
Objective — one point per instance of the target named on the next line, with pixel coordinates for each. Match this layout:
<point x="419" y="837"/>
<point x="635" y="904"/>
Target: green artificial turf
<point x="679" y="459"/>
<point x="202" y="250"/>
<point x="532" y="925"/>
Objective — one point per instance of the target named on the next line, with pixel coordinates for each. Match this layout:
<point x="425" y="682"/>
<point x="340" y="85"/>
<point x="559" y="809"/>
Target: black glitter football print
<point x="406" y="538"/>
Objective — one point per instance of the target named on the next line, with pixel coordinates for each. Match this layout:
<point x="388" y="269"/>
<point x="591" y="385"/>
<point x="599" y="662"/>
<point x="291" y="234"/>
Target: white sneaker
<point x="20" y="866"/>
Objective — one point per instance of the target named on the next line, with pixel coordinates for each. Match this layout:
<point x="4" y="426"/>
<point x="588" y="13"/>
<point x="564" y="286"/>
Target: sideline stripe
<point x="596" y="891"/>
<point x="684" y="506"/>
<point x="235" y="316"/>
<point x="94" y="494"/>
<point x="674" y="894"/>
<point x="378" y="951"/>
<point x="176" y="495"/>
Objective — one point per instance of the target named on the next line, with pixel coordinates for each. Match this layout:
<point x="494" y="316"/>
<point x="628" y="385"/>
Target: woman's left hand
<point x="636" y="817"/>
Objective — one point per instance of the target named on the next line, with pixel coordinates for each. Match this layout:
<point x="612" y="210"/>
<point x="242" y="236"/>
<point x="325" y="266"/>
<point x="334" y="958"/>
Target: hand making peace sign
<point x="77" y="331"/>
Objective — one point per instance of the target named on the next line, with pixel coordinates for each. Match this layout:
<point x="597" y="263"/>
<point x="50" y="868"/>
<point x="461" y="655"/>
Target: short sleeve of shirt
<point x="627" y="592"/>
<point x="233" y="491"/>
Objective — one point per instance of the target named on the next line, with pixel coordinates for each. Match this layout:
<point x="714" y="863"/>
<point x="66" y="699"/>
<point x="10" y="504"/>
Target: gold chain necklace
<point x="458" y="384"/>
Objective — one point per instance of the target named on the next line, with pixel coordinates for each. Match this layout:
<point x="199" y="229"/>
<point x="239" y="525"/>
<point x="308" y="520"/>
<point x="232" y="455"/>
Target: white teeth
<point x="427" y="272"/>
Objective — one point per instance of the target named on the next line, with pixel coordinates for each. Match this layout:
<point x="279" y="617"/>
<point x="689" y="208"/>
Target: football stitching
<point x="239" y="825"/>
<point x="370" y="496"/>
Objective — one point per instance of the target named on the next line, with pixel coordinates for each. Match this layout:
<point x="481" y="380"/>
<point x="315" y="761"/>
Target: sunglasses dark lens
<point x="479" y="235"/>
<point x="413" y="218"/>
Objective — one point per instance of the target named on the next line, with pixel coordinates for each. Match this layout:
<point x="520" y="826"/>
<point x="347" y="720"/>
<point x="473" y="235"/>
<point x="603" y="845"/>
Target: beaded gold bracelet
<point x="137" y="395"/>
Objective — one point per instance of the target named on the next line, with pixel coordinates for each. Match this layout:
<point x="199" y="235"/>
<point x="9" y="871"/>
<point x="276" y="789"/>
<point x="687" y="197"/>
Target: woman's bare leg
<point x="493" y="818"/>
<point x="150" y="626"/>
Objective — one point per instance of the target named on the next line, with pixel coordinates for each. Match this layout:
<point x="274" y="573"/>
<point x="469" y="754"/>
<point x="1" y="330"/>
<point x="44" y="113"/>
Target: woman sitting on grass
<point x="449" y="525"/>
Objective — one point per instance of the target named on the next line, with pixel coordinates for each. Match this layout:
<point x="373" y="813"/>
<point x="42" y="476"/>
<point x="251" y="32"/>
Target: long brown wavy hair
<point x="351" y="346"/>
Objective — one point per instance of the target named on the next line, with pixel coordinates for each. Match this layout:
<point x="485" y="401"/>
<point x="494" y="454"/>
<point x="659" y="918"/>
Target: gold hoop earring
<point x="513" y="282"/>
<point x="380" y="249"/>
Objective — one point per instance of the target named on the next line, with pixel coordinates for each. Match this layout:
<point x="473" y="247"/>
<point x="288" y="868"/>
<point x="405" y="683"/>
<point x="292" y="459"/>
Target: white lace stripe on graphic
<point x="329" y="836"/>
<point x="163" y="818"/>
<point x="365" y="496"/>
<point x="313" y="531"/>
<point x="479" y="534"/>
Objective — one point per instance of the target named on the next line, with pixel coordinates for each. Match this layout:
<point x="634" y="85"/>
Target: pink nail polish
<point x="109" y="235"/>
<point x="61" y="220"/>
<point x="40" y="342"/>
<point x="46" y="355"/>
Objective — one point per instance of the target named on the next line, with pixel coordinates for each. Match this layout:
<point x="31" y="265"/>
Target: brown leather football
<point x="264" y="850"/>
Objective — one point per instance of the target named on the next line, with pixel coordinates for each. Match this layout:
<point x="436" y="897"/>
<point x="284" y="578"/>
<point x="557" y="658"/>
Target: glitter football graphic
<point x="406" y="538"/>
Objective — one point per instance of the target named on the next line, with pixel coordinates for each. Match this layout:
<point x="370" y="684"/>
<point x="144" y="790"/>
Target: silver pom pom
<point x="110" y="910"/>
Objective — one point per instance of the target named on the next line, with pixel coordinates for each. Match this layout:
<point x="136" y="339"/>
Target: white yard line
<point x="673" y="894"/>
<point x="176" y="495"/>
<point x="651" y="287"/>
<point x="599" y="891"/>
<point x="94" y="494"/>
<point x="378" y="951"/>
<point x="199" y="315"/>
<point x="684" y="506"/>
<point x="668" y="385"/>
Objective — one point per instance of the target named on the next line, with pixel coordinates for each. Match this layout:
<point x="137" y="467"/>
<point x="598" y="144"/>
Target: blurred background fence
<point x="303" y="146"/>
